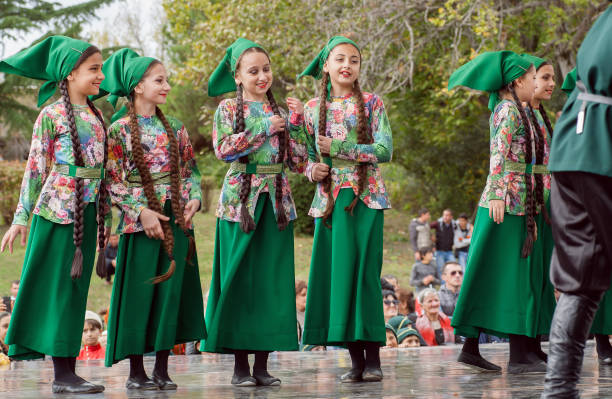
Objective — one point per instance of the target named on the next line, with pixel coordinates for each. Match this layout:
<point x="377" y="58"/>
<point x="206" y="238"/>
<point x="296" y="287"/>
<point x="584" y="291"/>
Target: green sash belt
<point x="79" y="171"/>
<point x="158" y="178"/>
<point x="339" y="163"/>
<point x="253" y="168"/>
<point x="527" y="168"/>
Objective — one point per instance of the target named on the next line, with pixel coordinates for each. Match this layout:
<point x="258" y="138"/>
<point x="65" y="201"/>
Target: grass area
<point x="398" y="256"/>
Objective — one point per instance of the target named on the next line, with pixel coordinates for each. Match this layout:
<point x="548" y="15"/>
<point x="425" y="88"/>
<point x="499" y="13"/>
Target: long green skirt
<point x="344" y="300"/>
<point x="503" y="293"/>
<point x="251" y="302"/>
<point x="50" y="308"/>
<point x="146" y="317"/>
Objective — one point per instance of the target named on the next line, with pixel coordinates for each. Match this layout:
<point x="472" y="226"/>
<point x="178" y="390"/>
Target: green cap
<point x="51" y="59"/>
<point x="536" y="61"/>
<point x="570" y="82"/>
<point x="222" y="79"/>
<point x="123" y="70"/>
<point x="490" y="72"/>
<point x="406" y="332"/>
<point x="315" y="68"/>
<point x="399" y="322"/>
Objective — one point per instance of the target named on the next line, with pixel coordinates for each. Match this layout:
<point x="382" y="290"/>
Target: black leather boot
<point x="568" y="333"/>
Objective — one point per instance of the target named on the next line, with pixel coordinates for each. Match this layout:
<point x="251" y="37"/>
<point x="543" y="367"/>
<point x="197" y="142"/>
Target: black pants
<point x="581" y="206"/>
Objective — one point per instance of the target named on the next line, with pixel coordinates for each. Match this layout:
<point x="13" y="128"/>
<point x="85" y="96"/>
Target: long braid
<point x="247" y="224"/>
<point x="363" y="137"/>
<point x="530" y="203"/>
<point x="178" y="207"/>
<point x="282" y="220"/>
<point x="103" y="209"/>
<point x="149" y="190"/>
<point x="539" y="179"/>
<point x="79" y="204"/>
<point x="550" y="134"/>
<point x="326" y="183"/>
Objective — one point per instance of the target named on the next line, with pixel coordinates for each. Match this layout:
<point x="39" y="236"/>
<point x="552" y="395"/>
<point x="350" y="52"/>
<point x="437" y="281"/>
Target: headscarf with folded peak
<point x="50" y="60"/>
<point x="490" y="72"/>
<point x="123" y="70"/>
<point x="222" y="79"/>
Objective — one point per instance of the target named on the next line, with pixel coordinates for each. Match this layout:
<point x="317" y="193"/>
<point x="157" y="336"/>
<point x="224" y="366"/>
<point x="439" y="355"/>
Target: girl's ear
<point x="325" y="68"/>
<point x="70" y="77"/>
<point x="238" y="81"/>
<point x="138" y="89"/>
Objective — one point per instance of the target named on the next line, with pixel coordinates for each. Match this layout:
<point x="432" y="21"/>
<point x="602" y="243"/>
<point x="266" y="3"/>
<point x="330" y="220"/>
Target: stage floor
<point x="409" y="373"/>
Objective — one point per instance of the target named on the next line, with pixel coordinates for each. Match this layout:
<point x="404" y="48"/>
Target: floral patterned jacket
<point x="342" y="128"/>
<point x="259" y="142"/>
<point x="507" y="135"/>
<point x="120" y="166"/>
<point x="47" y="193"/>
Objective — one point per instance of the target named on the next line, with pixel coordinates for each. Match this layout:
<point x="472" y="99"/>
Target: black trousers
<point x="581" y="207"/>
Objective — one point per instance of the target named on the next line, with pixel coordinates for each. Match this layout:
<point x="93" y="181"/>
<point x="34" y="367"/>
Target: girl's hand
<point x="320" y="171"/>
<point x="150" y="221"/>
<point x="190" y="209"/>
<point x="11" y="234"/>
<point x="107" y="233"/>
<point x="295" y="105"/>
<point x="324" y="144"/>
<point x="277" y="124"/>
<point x="496" y="210"/>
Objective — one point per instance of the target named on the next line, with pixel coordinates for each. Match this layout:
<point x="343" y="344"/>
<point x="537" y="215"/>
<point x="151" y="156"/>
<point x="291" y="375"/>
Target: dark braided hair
<point x="363" y="137"/>
<point x="529" y="202"/>
<point x="79" y="205"/>
<point x="539" y="179"/>
<point x="247" y="224"/>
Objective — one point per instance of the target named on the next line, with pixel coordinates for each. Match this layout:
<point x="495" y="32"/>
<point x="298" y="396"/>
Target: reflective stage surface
<point x="409" y="373"/>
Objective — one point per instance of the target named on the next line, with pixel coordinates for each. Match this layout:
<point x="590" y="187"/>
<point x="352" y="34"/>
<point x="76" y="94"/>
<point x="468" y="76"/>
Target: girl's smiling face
<point x="545" y="81"/>
<point x="254" y="73"/>
<point x="343" y="65"/>
<point x="153" y="87"/>
<point x="87" y="77"/>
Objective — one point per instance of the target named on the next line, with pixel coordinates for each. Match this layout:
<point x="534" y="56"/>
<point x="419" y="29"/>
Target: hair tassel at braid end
<point x="527" y="245"/>
<point x="192" y="249"/>
<point x="77" y="264"/>
<point x="282" y="221"/>
<point x="167" y="274"/>
<point x="351" y="206"/>
<point x="247" y="224"/>
<point x="101" y="265"/>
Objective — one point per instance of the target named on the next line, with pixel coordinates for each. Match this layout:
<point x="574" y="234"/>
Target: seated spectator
<point x="424" y="272"/>
<point x="408" y="337"/>
<point x="313" y="348"/>
<point x="110" y="255"/>
<point x="406" y="301"/>
<point x="391" y="338"/>
<point x="449" y="292"/>
<point x="434" y="326"/>
<point x="91" y="337"/>
<point x="5" y="319"/>
<point x="462" y="238"/>
<point x="390" y="303"/>
<point x="300" y="305"/>
<point x="8" y="302"/>
<point x="445" y="237"/>
<point x="391" y="279"/>
<point x="385" y="285"/>
<point x="398" y="322"/>
<point x="420" y="232"/>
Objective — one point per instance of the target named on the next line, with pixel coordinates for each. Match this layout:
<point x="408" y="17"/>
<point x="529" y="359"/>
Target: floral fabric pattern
<point x="342" y="117"/>
<point x="156" y="145"/>
<point x="260" y="144"/>
<point x="507" y="135"/>
<point x="49" y="194"/>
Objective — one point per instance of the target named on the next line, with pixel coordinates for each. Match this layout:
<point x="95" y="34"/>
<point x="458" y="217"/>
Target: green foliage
<point x="11" y="174"/>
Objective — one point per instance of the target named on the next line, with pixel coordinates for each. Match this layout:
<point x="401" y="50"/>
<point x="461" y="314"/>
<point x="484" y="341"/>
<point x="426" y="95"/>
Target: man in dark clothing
<point x="110" y="254"/>
<point x="452" y="275"/>
<point x="420" y="232"/>
<point x="445" y="238"/>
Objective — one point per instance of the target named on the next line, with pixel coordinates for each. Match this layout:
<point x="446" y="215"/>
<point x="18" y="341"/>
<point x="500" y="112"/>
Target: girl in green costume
<point x="253" y="278"/>
<point x="502" y="289"/>
<point x="156" y="183"/>
<point x="63" y="187"/>
<point x="344" y="301"/>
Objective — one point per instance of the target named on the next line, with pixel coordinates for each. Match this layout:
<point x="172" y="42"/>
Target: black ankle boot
<point x="356" y="350"/>
<point x="372" y="371"/>
<point x="138" y="379"/>
<point x="260" y="370"/>
<point x="66" y="381"/>
<point x="604" y="349"/>
<point x="160" y="371"/>
<point x="470" y="356"/>
<point x="569" y="330"/>
<point x="242" y="372"/>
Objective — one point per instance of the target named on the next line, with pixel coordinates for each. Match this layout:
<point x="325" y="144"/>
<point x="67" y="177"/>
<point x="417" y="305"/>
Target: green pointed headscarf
<point x="222" y="79"/>
<point x="123" y="70"/>
<point x="315" y="68"/>
<point x="490" y="72"/>
<point x="570" y="82"/>
<point x="51" y="60"/>
<point x="536" y="61"/>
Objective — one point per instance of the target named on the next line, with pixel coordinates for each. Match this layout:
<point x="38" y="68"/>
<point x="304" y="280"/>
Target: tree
<point x="17" y="17"/>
